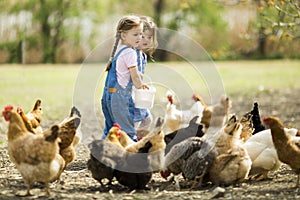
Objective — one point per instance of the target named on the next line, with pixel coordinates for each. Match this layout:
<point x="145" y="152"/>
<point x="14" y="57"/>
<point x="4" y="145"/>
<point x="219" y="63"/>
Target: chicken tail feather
<point x="75" y="111"/>
<point x="54" y="134"/>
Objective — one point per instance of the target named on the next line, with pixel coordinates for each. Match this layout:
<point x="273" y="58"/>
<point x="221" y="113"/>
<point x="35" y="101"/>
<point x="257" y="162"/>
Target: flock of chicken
<point x="40" y="156"/>
<point x="205" y="144"/>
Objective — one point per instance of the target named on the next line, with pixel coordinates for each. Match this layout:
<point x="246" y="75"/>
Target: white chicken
<point x="175" y="119"/>
<point x="263" y="154"/>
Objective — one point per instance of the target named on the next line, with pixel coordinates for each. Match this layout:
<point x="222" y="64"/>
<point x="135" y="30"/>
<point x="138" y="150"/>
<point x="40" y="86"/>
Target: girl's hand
<point x="144" y="87"/>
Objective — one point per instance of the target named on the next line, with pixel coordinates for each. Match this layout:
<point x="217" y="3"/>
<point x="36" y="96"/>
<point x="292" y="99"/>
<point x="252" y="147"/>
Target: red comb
<point x="9" y="107"/>
<point x="117" y="125"/>
<point x="119" y="133"/>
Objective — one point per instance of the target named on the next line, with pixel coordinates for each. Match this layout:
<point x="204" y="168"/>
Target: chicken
<point x="232" y="163"/>
<point x="104" y="157"/>
<point x="258" y="126"/>
<point x="216" y="115"/>
<point x="68" y="135"/>
<point x="192" y="157"/>
<point x="108" y="159"/>
<point x="193" y="129"/>
<point x="157" y="150"/>
<point x="175" y="119"/>
<point x="247" y="130"/>
<point x="118" y="137"/>
<point x="287" y="147"/>
<point x="263" y="154"/>
<point x="135" y="171"/>
<point x="33" y="118"/>
<point x="36" y="156"/>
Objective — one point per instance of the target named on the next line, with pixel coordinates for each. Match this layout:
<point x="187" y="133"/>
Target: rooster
<point x="287" y="147"/>
<point x="232" y="163"/>
<point x="36" y="156"/>
<point x="175" y="119"/>
<point x="33" y="118"/>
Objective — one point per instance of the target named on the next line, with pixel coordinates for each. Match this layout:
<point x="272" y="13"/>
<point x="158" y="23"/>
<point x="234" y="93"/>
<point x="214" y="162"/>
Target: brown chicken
<point x="233" y="162"/>
<point x="118" y="137"/>
<point x="67" y="134"/>
<point x="33" y="118"/>
<point x="216" y="115"/>
<point x="36" y="156"/>
<point x="247" y="130"/>
<point x="287" y="147"/>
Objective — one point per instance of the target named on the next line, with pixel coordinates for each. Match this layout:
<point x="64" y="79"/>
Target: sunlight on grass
<point x="54" y="84"/>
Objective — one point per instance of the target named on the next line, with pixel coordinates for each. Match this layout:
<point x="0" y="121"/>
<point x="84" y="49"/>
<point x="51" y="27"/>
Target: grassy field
<point x="54" y="84"/>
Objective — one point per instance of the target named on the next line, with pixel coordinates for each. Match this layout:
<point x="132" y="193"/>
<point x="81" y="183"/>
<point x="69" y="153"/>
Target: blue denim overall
<point x="140" y="113"/>
<point x="117" y="103"/>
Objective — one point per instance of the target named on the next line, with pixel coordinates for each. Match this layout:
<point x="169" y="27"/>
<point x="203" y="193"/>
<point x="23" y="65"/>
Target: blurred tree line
<point x="65" y="31"/>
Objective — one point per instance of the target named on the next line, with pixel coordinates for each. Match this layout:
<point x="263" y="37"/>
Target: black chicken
<point x="193" y="129"/>
<point x="258" y="125"/>
<point x="104" y="158"/>
<point x="135" y="171"/>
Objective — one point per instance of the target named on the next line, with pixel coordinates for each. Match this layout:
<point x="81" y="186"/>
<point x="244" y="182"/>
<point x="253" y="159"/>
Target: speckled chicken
<point x="36" y="156"/>
<point x="287" y="147"/>
<point x="192" y="157"/>
<point x="247" y="130"/>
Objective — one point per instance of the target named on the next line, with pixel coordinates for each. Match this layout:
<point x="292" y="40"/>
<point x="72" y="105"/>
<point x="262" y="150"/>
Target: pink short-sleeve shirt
<point x="126" y="59"/>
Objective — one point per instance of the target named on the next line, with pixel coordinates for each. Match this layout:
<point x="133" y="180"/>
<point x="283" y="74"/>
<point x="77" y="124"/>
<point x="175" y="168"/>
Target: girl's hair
<point x="126" y="23"/>
<point x="150" y="26"/>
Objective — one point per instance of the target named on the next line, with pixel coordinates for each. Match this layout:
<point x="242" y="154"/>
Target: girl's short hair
<point x="125" y="23"/>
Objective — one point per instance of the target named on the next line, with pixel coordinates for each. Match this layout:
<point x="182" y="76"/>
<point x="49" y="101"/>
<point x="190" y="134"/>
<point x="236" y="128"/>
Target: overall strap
<point x="119" y="52"/>
<point x="138" y="60"/>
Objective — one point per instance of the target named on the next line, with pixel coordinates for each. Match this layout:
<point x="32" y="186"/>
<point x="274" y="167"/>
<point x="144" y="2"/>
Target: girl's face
<point x="146" y="40"/>
<point x="132" y="37"/>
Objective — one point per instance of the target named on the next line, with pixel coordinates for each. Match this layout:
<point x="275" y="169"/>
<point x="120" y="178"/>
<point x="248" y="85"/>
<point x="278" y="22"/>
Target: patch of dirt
<point x="77" y="183"/>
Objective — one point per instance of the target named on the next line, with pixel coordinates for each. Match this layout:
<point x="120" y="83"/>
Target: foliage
<point x="58" y="22"/>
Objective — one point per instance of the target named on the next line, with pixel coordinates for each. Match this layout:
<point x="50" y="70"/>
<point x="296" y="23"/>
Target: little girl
<point x="148" y="44"/>
<point x="117" y="103"/>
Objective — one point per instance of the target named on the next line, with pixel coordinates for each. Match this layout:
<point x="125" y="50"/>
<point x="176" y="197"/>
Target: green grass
<point x="54" y="84"/>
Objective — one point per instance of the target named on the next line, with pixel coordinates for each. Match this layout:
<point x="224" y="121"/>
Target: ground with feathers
<point x="77" y="183"/>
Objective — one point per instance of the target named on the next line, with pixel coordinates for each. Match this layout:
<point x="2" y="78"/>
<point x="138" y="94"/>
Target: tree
<point x="277" y="19"/>
<point x="51" y="19"/>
